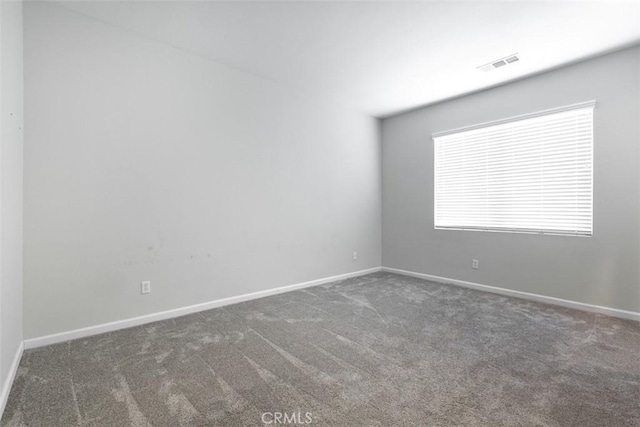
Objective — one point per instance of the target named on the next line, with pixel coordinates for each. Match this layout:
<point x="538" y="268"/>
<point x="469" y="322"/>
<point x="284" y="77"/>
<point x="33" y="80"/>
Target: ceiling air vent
<point x="498" y="63"/>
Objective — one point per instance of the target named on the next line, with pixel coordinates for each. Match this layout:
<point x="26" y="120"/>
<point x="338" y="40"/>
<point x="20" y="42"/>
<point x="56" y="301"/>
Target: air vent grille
<point x="499" y="63"/>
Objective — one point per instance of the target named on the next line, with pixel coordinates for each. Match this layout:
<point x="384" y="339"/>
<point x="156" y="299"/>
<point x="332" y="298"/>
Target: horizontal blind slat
<point x="530" y="174"/>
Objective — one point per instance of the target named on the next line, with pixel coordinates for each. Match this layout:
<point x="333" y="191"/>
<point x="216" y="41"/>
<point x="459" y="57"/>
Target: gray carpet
<point x="381" y="350"/>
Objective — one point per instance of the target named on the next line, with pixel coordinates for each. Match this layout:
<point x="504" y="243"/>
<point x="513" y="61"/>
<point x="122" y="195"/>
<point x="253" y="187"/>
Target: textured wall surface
<point x="144" y="162"/>
<point x="602" y="269"/>
<point x="10" y="184"/>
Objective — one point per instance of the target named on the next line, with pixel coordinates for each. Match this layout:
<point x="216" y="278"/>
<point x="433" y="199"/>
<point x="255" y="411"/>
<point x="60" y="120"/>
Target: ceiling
<point x="380" y="57"/>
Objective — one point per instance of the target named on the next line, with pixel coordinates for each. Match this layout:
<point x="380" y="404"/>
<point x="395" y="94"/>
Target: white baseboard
<point x="153" y="317"/>
<point x="8" y="382"/>
<point x="177" y="312"/>
<point x="624" y="314"/>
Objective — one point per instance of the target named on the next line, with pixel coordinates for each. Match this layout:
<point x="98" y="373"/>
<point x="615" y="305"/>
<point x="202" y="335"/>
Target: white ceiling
<point x="380" y="57"/>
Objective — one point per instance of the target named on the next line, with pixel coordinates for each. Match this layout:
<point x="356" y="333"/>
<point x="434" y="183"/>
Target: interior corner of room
<point x="143" y="179"/>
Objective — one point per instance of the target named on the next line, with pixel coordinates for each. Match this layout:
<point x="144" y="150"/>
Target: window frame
<point x="577" y="106"/>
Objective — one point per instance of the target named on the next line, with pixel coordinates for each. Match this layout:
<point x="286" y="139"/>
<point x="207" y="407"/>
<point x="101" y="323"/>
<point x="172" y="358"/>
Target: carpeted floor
<point x="380" y="349"/>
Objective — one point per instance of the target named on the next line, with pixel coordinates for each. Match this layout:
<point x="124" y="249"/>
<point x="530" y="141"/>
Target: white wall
<point x="146" y="162"/>
<point x="601" y="270"/>
<point x="10" y="186"/>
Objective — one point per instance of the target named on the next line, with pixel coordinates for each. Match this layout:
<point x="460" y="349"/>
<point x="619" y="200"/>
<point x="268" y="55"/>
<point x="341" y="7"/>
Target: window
<point x="531" y="173"/>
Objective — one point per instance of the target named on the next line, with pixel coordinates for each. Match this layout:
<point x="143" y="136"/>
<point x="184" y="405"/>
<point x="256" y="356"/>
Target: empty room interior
<point x="333" y="213"/>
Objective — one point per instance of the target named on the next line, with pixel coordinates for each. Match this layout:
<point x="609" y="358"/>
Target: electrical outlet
<point x="355" y="255"/>
<point x="145" y="287"/>
<point x="475" y="264"/>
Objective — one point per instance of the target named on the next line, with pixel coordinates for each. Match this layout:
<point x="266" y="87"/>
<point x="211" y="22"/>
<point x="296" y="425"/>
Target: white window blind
<point x="529" y="174"/>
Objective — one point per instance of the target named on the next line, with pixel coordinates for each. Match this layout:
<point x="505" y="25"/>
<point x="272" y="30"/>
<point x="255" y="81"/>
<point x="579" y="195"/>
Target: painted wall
<point x="144" y="162"/>
<point x="10" y="185"/>
<point x="601" y="270"/>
